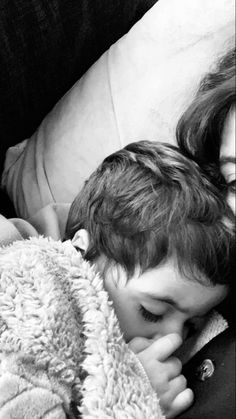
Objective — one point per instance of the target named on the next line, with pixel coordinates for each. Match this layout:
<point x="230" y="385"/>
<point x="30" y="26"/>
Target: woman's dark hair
<point x="200" y="128"/>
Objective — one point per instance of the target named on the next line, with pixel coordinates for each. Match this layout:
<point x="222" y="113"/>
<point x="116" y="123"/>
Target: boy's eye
<point x="148" y="316"/>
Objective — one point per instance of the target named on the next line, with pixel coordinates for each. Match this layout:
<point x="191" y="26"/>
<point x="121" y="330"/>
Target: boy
<point x="160" y="237"/>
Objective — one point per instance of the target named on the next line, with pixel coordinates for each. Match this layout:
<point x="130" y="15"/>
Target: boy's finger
<point x="139" y="344"/>
<point x="173" y="367"/>
<point x="162" y="348"/>
<point x="181" y="403"/>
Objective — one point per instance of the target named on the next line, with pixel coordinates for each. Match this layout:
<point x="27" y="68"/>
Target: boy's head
<point x="154" y="227"/>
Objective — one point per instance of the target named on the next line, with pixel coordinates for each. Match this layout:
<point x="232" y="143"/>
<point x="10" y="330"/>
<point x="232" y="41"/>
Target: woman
<point x="206" y="130"/>
<point x="206" y="133"/>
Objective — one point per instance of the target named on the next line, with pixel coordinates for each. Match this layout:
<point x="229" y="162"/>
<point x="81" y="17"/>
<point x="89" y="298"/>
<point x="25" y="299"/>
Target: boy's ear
<point x="81" y="240"/>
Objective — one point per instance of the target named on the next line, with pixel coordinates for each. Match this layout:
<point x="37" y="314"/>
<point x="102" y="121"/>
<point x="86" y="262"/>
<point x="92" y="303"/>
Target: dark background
<point x="45" y="47"/>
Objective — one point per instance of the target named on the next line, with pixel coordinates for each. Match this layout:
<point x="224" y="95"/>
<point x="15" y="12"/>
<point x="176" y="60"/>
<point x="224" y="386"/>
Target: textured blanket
<point x="62" y="354"/>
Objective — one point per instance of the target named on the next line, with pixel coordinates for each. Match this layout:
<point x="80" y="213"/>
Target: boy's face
<point x="160" y="301"/>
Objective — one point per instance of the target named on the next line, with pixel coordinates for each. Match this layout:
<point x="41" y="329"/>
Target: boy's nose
<point x="179" y="327"/>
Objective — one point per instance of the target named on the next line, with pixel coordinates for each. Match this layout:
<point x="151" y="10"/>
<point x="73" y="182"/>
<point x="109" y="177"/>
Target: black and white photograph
<point x="117" y="209"/>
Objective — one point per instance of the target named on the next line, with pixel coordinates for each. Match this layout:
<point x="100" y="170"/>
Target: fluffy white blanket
<point x="62" y="354"/>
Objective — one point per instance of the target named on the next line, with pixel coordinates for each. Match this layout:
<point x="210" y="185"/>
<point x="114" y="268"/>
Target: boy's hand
<point x="163" y="371"/>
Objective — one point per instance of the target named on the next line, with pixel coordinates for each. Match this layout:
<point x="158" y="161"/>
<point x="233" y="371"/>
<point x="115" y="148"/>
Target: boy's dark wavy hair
<point x="199" y="130"/>
<point x="147" y="203"/>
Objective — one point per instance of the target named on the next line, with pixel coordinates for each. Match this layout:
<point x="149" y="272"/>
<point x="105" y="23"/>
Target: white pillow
<point x="137" y="90"/>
